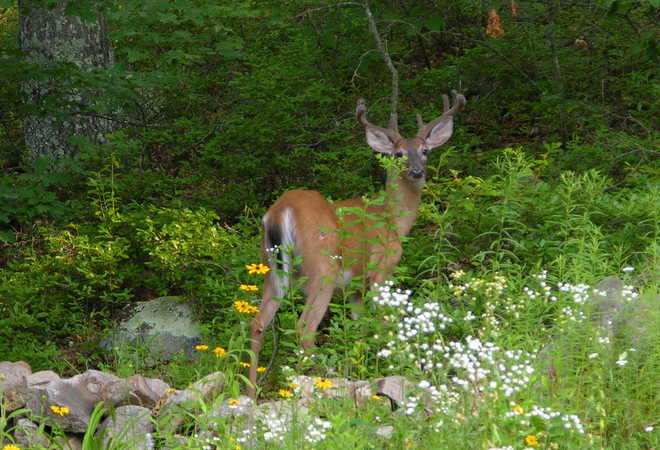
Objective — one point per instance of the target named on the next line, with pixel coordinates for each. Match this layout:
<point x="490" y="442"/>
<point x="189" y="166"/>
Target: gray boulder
<point x="162" y="327"/>
<point x="130" y="426"/>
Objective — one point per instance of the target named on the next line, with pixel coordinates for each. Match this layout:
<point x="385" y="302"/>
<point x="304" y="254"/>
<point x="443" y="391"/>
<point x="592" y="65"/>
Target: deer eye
<point x="398" y="154"/>
<point x="425" y="151"/>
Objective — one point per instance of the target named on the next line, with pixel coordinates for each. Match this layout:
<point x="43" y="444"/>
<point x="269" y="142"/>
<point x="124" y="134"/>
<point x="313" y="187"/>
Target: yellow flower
<point x="219" y="352"/>
<point x="284" y="393"/>
<point x="259" y="269"/>
<point x="241" y="305"/>
<point x="251" y="310"/>
<point x="233" y="402"/>
<point x="60" y="410"/>
<point x="202" y="348"/>
<point x="518" y="409"/>
<point x="376" y="397"/>
<point x="531" y="440"/>
<point x="245" y="307"/>
<point x="244" y="364"/>
<point x="261" y="369"/>
<point x="171" y="390"/>
<point x="292" y="385"/>
<point x="248" y="287"/>
<point x="323" y="383"/>
<point x="11" y="447"/>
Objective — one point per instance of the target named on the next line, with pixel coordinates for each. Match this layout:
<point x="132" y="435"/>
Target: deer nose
<point x="416" y="173"/>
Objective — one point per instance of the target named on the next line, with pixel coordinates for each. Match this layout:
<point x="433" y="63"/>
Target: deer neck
<point x="405" y="198"/>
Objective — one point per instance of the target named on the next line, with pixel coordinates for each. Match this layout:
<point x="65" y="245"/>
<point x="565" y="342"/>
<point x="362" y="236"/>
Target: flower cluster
<point x="546" y="415"/>
<point x="411" y="322"/>
<point x="316" y="430"/>
<point x="276" y="426"/>
<point x="245" y="307"/>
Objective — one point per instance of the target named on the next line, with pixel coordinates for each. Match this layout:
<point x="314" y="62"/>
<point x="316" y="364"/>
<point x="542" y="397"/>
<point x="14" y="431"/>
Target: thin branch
<point x="386" y="57"/>
<point x="324" y="8"/>
<point x="373" y="29"/>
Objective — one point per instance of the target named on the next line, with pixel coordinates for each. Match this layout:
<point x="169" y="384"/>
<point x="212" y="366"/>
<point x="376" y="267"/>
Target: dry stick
<point x="558" y="76"/>
<point x="386" y="57"/>
<point x="373" y="29"/>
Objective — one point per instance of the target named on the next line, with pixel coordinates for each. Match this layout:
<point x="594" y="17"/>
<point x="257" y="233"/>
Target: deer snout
<point x="416" y="173"/>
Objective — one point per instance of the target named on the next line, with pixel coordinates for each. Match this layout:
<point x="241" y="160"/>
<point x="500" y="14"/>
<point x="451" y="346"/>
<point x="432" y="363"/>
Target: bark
<point x="49" y="37"/>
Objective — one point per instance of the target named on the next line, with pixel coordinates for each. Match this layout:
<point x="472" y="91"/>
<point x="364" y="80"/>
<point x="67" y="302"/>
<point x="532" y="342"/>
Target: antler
<point x="459" y="103"/>
<point x="392" y="132"/>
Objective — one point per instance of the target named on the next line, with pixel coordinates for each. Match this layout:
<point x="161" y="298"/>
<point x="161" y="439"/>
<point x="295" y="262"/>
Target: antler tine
<point x="459" y="103"/>
<point x="392" y="132"/>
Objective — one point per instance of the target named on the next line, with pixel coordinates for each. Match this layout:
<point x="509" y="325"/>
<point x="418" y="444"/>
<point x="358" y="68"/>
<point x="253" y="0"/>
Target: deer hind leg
<point x="258" y="327"/>
<point x="319" y="294"/>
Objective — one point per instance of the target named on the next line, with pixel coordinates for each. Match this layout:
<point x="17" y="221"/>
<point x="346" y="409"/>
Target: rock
<point x="70" y="441"/>
<point x="41" y="378"/>
<point x="132" y="391"/>
<point x="71" y="394"/>
<point x="94" y="380"/>
<point x="243" y="406"/>
<point x="394" y="388"/>
<point x="131" y="426"/>
<point x="28" y="435"/>
<point x="157" y="386"/>
<point x="203" y="390"/>
<point x="12" y="375"/>
<point x="165" y="326"/>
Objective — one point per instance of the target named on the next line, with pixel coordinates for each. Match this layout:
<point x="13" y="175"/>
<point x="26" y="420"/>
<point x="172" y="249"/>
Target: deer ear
<point x="379" y="141"/>
<point x="441" y="132"/>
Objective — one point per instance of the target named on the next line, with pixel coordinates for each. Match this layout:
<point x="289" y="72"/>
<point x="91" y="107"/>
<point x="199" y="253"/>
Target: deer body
<point x="306" y="223"/>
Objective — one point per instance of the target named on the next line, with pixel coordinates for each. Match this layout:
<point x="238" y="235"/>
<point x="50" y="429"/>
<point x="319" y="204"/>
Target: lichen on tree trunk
<point x="61" y="110"/>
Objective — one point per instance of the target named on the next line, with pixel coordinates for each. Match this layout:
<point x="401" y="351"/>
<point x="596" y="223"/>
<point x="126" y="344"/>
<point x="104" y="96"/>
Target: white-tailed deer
<point x="303" y="223"/>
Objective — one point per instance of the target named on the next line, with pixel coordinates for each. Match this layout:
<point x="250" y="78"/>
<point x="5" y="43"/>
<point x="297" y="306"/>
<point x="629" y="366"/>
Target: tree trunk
<point x="59" y="110"/>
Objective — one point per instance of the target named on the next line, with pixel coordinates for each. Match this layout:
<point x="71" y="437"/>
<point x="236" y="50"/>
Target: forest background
<point x="218" y="107"/>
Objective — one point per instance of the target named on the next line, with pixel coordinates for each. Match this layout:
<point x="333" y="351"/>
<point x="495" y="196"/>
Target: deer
<point x="302" y="223"/>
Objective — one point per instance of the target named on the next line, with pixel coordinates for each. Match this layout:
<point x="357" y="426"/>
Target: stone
<point x="131" y="426"/>
<point x="132" y="391"/>
<point x="28" y="435"/>
<point x="395" y="388"/>
<point x="71" y="394"/>
<point x="158" y="386"/>
<point x="164" y="327"/>
<point x="41" y="378"/>
<point x="94" y="380"/>
<point x="204" y="390"/>
<point x="70" y="441"/>
<point x="12" y="375"/>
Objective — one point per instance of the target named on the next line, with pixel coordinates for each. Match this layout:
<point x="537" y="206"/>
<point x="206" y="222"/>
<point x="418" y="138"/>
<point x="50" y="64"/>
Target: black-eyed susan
<point x="233" y="402"/>
<point x="244" y="364"/>
<point x="219" y="352"/>
<point x="518" y="409"/>
<point x="261" y="369"/>
<point x="259" y="269"/>
<point x="11" y="447"/>
<point x="248" y="287"/>
<point x="61" y="410"/>
<point x="285" y="394"/>
<point x="531" y="440"/>
<point x="323" y="383"/>
<point x="251" y="309"/>
<point x="201" y="348"/>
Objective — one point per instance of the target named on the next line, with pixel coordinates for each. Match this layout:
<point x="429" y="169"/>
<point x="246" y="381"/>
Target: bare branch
<point x="373" y="30"/>
<point x="386" y="57"/>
